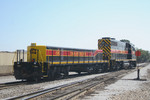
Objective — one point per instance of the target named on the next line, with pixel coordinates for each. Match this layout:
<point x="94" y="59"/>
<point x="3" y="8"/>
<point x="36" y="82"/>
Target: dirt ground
<point x="126" y="88"/>
<point x="142" y="93"/>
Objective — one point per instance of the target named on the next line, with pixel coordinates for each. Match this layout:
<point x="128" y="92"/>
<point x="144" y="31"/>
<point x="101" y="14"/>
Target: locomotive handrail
<point x="41" y="56"/>
<point x="18" y="57"/>
<point x="14" y="57"/>
<point x="42" y="60"/>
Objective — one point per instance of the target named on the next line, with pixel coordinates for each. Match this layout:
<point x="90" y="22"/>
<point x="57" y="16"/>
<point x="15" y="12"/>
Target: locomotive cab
<point x="33" y="68"/>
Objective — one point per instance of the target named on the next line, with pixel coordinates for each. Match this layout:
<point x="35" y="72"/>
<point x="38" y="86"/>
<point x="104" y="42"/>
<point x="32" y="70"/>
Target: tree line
<point x="145" y="56"/>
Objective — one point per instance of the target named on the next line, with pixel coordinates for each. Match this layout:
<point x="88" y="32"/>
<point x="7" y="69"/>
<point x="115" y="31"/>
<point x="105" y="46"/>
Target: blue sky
<point x="73" y="23"/>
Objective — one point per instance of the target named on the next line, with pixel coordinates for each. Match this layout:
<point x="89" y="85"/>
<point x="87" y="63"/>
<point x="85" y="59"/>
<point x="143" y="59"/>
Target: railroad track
<point x="10" y="84"/>
<point x="73" y="90"/>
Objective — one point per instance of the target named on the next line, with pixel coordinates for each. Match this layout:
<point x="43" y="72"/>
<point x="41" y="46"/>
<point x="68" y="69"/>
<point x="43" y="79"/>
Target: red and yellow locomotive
<point x="46" y="62"/>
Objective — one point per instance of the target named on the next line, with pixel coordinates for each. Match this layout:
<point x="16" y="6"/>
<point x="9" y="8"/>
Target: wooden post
<point x="138" y="53"/>
<point x="138" y="72"/>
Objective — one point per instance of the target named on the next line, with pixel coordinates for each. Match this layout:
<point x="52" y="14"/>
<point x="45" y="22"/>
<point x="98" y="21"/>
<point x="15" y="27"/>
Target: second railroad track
<point x="73" y="90"/>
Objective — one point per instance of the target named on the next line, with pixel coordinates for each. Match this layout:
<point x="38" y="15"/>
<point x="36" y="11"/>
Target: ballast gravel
<point x="127" y="88"/>
<point x="123" y="89"/>
<point x="29" y="88"/>
<point x="4" y="79"/>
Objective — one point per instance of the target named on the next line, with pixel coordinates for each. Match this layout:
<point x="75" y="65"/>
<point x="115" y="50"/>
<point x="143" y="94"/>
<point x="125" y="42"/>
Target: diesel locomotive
<point x="46" y="62"/>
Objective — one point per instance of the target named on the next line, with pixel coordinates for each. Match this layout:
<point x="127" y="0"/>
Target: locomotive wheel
<point x="30" y="80"/>
<point x="79" y="73"/>
<point x="66" y="71"/>
<point x="100" y="69"/>
<point x="37" y="79"/>
<point x="118" y="67"/>
<point x="51" y="75"/>
<point x="90" y="70"/>
<point x="96" y="71"/>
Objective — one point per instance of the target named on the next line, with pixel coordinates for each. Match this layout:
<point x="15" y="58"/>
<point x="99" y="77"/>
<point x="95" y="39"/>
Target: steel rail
<point x="10" y="84"/>
<point x="101" y="79"/>
<point x="41" y="92"/>
<point x="74" y="93"/>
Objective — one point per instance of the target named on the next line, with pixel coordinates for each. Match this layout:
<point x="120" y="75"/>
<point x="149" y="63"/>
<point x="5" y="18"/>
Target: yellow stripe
<point x="76" y="62"/>
<point x="45" y="75"/>
<point x="125" y="59"/>
<point x="90" y="61"/>
<point x="63" y="62"/>
<point x="108" y="41"/>
<point x="108" y="51"/>
<point x="107" y="54"/>
<point x="100" y="41"/>
<point x="85" y="61"/>
<point x="100" y="46"/>
<point x="68" y="56"/>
